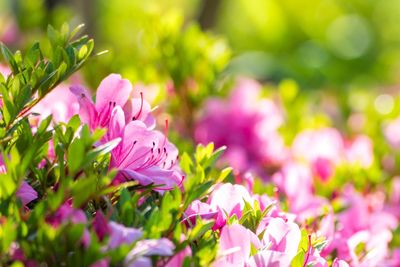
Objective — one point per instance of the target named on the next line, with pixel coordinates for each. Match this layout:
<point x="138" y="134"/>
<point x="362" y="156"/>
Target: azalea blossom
<point x="245" y="123"/>
<point x="277" y="248"/>
<point x="26" y="193"/>
<point x="143" y="154"/>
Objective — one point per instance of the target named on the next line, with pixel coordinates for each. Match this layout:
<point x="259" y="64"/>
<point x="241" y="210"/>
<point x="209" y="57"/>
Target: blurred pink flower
<point x="101" y="263"/>
<point x="392" y="133"/>
<point x="360" y="151"/>
<point x="119" y="234"/>
<point x="9" y="33"/>
<point x="339" y="263"/>
<point x="138" y="256"/>
<point x="364" y="231"/>
<point x="178" y="259"/>
<point x="67" y="214"/>
<point x="322" y="149"/>
<point x="246" y="124"/>
<point x="100" y="225"/>
<point x="281" y="236"/>
<point x="61" y="103"/>
<point x="198" y="208"/>
<point x="4" y="70"/>
<point x="227" y="200"/>
<point x="277" y="248"/>
<point x="235" y="245"/>
<point x="26" y="193"/>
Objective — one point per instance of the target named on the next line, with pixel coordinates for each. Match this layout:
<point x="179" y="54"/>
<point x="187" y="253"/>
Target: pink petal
<point x="26" y="193"/>
<point x="112" y="89"/>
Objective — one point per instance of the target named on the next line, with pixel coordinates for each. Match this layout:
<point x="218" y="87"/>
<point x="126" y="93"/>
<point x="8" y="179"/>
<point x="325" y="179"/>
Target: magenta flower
<point x="4" y="70"/>
<point x="247" y="125"/>
<point x="235" y="245"/>
<point x="339" y="263"/>
<point x="281" y="237"/>
<point x="198" y="208"/>
<point x="113" y="91"/>
<point x="277" y="248"/>
<point x="61" y="103"/>
<point x="325" y="149"/>
<point x="364" y="230"/>
<point x="26" y="193"/>
<point x="119" y="234"/>
<point x="178" y="259"/>
<point x="100" y="225"/>
<point x="67" y="214"/>
<point x="392" y="133"/>
<point x="143" y="155"/>
<point x="359" y="151"/>
<point x="138" y="256"/>
<point x="227" y="200"/>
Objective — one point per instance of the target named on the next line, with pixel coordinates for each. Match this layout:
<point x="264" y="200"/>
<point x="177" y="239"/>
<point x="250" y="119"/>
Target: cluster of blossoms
<point x="359" y="233"/>
<point x="252" y="123"/>
<point x="300" y="225"/>
<point x="276" y="239"/>
<point x="143" y="154"/>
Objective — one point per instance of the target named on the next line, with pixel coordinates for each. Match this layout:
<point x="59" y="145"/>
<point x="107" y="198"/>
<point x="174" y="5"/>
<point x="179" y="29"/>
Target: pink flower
<point x="392" y="133"/>
<point x="60" y="102"/>
<point x="113" y="91"/>
<point x="178" y="259"/>
<point x="234" y="245"/>
<point x="228" y="200"/>
<point x="138" y="256"/>
<point x="101" y="263"/>
<point x="324" y="143"/>
<point x="143" y="155"/>
<point x="67" y="214"/>
<point x="198" y="208"/>
<point x="281" y="236"/>
<point x="26" y="193"/>
<point x="364" y="230"/>
<point x="5" y="71"/>
<point x="277" y="248"/>
<point x="322" y="149"/>
<point x="360" y="151"/>
<point x="119" y="234"/>
<point x="339" y="263"/>
<point x="100" y="225"/>
<point x="9" y="31"/>
<point x="247" y="125"/>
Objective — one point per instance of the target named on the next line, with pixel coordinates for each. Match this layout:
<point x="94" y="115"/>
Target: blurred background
<point x="318" y="43"/>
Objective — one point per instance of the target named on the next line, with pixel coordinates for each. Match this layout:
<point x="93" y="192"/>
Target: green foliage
<point x="34" y="74"/>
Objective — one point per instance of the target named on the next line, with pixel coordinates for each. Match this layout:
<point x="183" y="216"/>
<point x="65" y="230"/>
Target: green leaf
<point x="8" y="56"/>
<point x="76" y="155"/>
<point x="298" y="260"/>
<point x="200" y="228"/>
